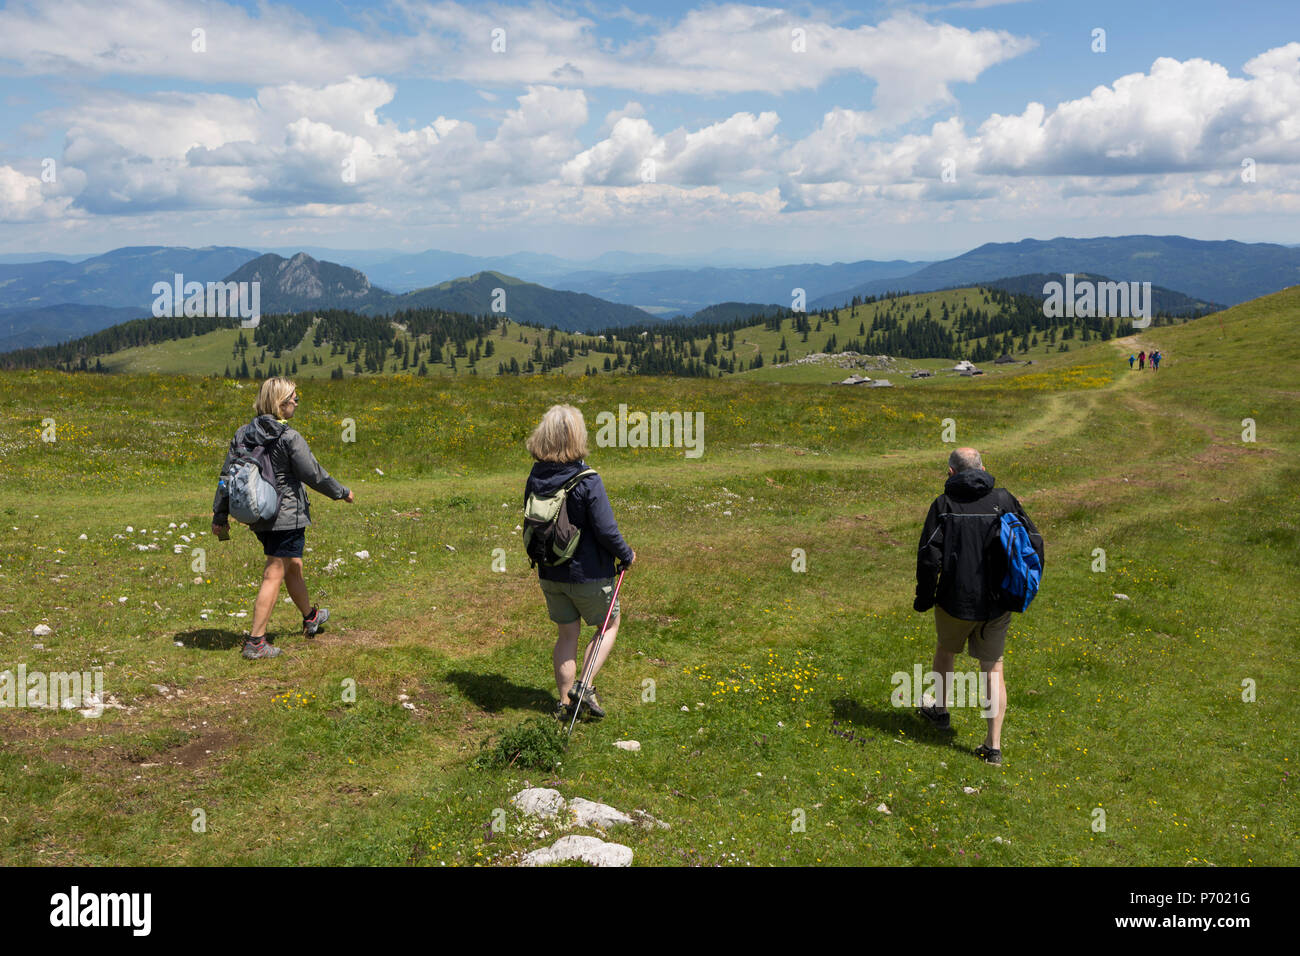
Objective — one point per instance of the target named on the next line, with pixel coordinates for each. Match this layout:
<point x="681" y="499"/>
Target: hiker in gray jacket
<point x="283" y="536"/>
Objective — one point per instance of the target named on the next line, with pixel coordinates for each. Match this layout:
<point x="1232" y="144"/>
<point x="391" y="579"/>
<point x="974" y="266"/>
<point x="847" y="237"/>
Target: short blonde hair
<point x="272" y="396"/>
<point x="561" y="436"/>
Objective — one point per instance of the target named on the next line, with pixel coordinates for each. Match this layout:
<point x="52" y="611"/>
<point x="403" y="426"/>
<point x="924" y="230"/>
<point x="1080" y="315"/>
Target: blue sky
<point x="798" y="132"/>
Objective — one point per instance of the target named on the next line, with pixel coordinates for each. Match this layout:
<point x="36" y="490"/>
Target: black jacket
<point x="590" y="512"/>
<point x="954" y="566"/>
<point x="294" y="465"/>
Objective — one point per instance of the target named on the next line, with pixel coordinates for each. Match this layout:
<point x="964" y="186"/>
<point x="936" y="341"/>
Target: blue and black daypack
<point x="1024" y="569"/>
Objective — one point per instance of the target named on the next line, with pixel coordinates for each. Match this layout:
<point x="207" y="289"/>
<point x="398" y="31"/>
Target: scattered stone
<point x="38" y="647"/>
<point x="998" y="839"/>
<point x="538" y="802"/>
<point x="363" y="555"/>
<point x="450" y="548"/>
<point x="590" y="850"/>
<point x="378" y="472"/>
<point x="1121" y="597"/>
<point x="82" y="537"/>
<point x="885" y="810"/>
<point x="970" y="789"/>
<point x="647" y="822"/>
<point x="161" y="688"/>
<point x="632" y="745"/>
<point x="588" y="813"/>
<point x="41" y="630"/>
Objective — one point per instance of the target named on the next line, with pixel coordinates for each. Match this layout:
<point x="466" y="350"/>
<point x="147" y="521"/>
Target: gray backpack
<point x="254" y="495"/>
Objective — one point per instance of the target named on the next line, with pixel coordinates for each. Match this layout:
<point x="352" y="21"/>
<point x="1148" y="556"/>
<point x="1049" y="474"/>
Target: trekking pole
<point x="595" y="650"/>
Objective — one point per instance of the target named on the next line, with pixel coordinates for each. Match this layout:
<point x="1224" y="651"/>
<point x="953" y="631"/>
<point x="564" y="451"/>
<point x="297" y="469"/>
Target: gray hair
<point x="965" y="459"/>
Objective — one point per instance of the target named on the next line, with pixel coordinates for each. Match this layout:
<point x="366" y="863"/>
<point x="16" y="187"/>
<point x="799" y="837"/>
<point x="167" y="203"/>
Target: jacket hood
<point x="968" y="485"/>
<point x="551" y="475"/>
<point x="264" y="428"/>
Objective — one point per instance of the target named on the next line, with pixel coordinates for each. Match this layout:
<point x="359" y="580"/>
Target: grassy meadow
<point x="760" y="694"/>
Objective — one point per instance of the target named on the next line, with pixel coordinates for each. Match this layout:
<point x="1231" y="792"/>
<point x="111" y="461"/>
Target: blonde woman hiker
<point x="285" y="533"/>
<point x="579" y="587"/>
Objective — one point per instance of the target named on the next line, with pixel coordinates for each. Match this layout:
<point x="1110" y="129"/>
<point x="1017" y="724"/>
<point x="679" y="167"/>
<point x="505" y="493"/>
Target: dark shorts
<point x="282" y="544"/>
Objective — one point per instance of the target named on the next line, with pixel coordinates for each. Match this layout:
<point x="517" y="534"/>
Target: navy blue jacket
<point x="589" y="511"/>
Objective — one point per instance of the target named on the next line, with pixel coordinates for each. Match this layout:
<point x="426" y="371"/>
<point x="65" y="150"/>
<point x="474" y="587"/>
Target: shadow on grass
<point x="211" y="639"/>
<point x="496" y="692"/>
<point x="850" y="717"/>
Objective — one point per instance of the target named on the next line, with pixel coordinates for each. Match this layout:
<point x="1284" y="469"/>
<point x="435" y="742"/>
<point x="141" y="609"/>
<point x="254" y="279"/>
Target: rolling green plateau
<point x="764" y="622"/>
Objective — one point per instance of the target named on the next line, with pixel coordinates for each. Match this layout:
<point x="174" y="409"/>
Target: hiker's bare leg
<point x="943" y="664"/>
<point x="606" y="646"/>
<point x="272" y="576"/>
<point x="566" y="649"/>
<point x="293" y="580"/>
<point x="997" y="692"/>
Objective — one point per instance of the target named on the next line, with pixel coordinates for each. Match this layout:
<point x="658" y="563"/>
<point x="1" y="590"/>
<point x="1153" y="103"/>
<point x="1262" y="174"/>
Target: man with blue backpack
<point x="980" y="558"/>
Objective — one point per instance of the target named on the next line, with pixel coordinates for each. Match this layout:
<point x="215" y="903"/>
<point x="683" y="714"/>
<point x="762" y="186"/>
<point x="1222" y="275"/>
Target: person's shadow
<point x="849" y="717"/>
<point x="210" y="639"/>
<point x="494" y="693"/>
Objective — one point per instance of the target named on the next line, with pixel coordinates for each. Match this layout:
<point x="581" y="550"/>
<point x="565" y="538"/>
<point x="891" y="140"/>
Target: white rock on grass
<point x="538" y="802"/>
<point x="1120" y="597"/>
<point x="40" y="630"/>
<point x="632" y="745"/>
<point x="648" y="822"/>
<point x="588" y="813"/>
<point x="884" y="809"/>
<point x="361" y="554"/>
<point x="82" y="537"/>
<point x="588" y="849"/>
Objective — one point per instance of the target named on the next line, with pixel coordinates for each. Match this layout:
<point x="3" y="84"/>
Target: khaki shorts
<point x="566" y="602"/>
<point x="988" y="639"/>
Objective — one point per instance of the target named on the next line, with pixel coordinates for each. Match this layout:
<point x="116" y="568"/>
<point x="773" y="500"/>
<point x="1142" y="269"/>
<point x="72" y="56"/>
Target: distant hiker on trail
<point x="1131" y="359"/>
<point x="1155" y="360"/>
<point x="1142" y="361"/>
<point x="278" y="452"/>
<point x="959" y="573"/>
<point x="581" y="586"/>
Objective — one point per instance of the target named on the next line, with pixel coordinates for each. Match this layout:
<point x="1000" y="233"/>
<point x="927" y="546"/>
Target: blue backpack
<point x="1024" y="568"/>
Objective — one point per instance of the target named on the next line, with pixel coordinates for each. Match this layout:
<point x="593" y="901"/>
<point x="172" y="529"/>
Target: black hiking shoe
<point x="581" y="696"/>
<point x="258" y="649"/>
<point x="312" y="622"/>
<point x="989" y="755"/>
<point x="940" y="720"/>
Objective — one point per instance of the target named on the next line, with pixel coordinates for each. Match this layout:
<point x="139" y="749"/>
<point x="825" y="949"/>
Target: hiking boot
<point x="940" y="720"/>
<point x="989" y="755"/>
<point x="312" y="622"/>
<point x="581" y="696"/>
<point x="255" y="650"/>
<point x="562" y="711"/>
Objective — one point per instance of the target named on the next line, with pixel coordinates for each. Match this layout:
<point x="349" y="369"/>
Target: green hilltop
<point x="976" y="323"/>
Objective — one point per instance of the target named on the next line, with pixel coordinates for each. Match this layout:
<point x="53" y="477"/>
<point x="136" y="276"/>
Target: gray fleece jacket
<point x="294" y="466"/>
